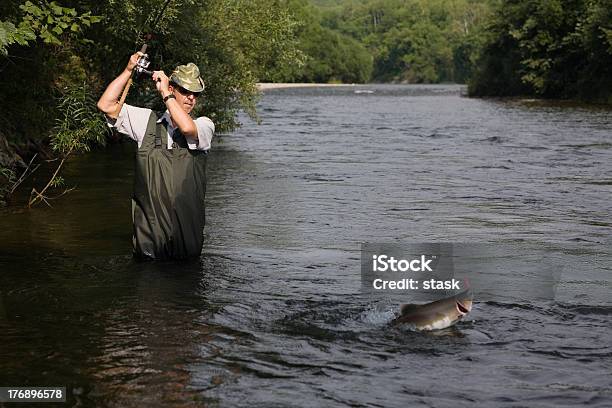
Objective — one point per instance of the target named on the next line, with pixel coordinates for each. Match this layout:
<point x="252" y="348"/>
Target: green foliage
<point x="79" y="124"/>
<point x="330" y="56"/>
<point x="50" y="20"/>
<point x="44" y="41"/>
<point x="414" y="40"/>
<point x="549" y="48"/>
<point x="9" y="34"/>
<point x="333" y="57"/>
<point x="7" y="179"/>
<point x="57" y="182"/>
<point x="47" y="21"/>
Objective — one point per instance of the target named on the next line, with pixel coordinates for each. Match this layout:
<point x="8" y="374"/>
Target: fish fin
<point x="407" y="308"/>
<point x="465" y="293"/>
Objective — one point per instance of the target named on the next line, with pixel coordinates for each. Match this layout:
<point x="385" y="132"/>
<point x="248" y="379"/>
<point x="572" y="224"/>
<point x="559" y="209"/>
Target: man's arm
<point x="110" y="98"/>
<point x="181" y="119"/>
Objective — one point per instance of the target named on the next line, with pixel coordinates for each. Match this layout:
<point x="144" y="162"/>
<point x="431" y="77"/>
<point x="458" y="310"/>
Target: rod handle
<point x="115" y="114"/>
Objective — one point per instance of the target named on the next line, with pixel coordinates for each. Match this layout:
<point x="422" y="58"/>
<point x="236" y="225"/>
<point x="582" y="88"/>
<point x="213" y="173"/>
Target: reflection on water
<point x="272" y="314"/>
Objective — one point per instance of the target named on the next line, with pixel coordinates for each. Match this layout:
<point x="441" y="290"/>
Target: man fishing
<point x="170" y="176"/>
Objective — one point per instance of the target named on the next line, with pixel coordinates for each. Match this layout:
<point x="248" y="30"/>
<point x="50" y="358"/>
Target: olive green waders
<point x="168" y="202"/>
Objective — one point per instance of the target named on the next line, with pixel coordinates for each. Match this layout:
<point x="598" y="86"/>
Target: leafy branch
<point x="78" y="127"/>
<point x="47" y="21"/>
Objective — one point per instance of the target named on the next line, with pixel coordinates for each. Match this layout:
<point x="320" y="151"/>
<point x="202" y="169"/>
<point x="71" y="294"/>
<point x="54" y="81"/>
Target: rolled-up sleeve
<point x="206" y="131"/>
<point x="132" y="122"/>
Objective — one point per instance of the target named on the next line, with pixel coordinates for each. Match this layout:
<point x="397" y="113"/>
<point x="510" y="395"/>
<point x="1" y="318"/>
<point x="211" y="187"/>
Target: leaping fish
<point x="436" y="315"/>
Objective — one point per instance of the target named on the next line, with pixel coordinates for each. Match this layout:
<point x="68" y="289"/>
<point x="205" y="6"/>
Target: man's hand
<point x="108" y="102"/>
<point x="133" y="61"/>
<point x="161" y="83"/>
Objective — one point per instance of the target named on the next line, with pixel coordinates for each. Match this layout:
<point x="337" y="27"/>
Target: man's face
<point x="185" y="98"/>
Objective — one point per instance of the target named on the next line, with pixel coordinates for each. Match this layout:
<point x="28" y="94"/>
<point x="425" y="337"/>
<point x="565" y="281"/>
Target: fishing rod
<point x="143" y="61"/>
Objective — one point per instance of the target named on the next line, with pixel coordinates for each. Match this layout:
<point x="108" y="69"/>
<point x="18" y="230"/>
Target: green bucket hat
<point x="188" y="77"/>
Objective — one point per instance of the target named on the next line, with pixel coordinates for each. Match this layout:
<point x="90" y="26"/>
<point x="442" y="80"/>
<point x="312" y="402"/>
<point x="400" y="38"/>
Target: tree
<point x="415" y="40"/>
<point x="330" y="56"/>
<point x="548" y="48"/>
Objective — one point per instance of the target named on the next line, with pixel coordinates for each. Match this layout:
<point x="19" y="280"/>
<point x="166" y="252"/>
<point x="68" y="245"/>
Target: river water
<point x="272" y="315"/>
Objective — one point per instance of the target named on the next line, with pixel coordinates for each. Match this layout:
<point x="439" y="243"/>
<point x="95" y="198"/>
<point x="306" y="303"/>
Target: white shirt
<point x="132" y="121"/>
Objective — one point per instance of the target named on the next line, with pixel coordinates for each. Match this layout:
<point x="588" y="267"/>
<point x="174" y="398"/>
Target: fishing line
<point x="142" y="26"/>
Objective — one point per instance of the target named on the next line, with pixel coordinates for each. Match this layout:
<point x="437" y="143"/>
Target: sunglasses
<point x="185" y="92"/>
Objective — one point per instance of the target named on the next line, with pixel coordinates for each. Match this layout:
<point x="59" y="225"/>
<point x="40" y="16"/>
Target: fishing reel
<point x="143" y="64"/>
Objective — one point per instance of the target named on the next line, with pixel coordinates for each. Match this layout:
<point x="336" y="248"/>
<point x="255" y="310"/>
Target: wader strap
<point x="179" y="139"/>
<point x="158" y="141"/>
<point x="148" y="142"/>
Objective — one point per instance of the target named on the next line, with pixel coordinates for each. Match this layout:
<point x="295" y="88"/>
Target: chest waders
<point x="168" y="202"/>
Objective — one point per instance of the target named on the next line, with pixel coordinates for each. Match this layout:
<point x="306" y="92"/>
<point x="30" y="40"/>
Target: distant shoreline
<point x="263" y="86"/>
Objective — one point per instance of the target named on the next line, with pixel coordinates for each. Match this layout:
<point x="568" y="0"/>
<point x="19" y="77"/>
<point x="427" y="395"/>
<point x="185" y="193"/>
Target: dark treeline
<point x="546" y="48"/>
<point x="412" y="41"/>
<point x="329" y="54"/>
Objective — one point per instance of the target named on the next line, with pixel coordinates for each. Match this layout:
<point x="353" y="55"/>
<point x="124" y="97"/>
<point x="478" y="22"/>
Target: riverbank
<point x="264" y="86"/>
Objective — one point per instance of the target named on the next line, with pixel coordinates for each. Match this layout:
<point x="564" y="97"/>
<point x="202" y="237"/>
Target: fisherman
<point x="170" y="176"/>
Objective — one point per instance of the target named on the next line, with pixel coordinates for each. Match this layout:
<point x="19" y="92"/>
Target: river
<point x="272" y="315"/>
